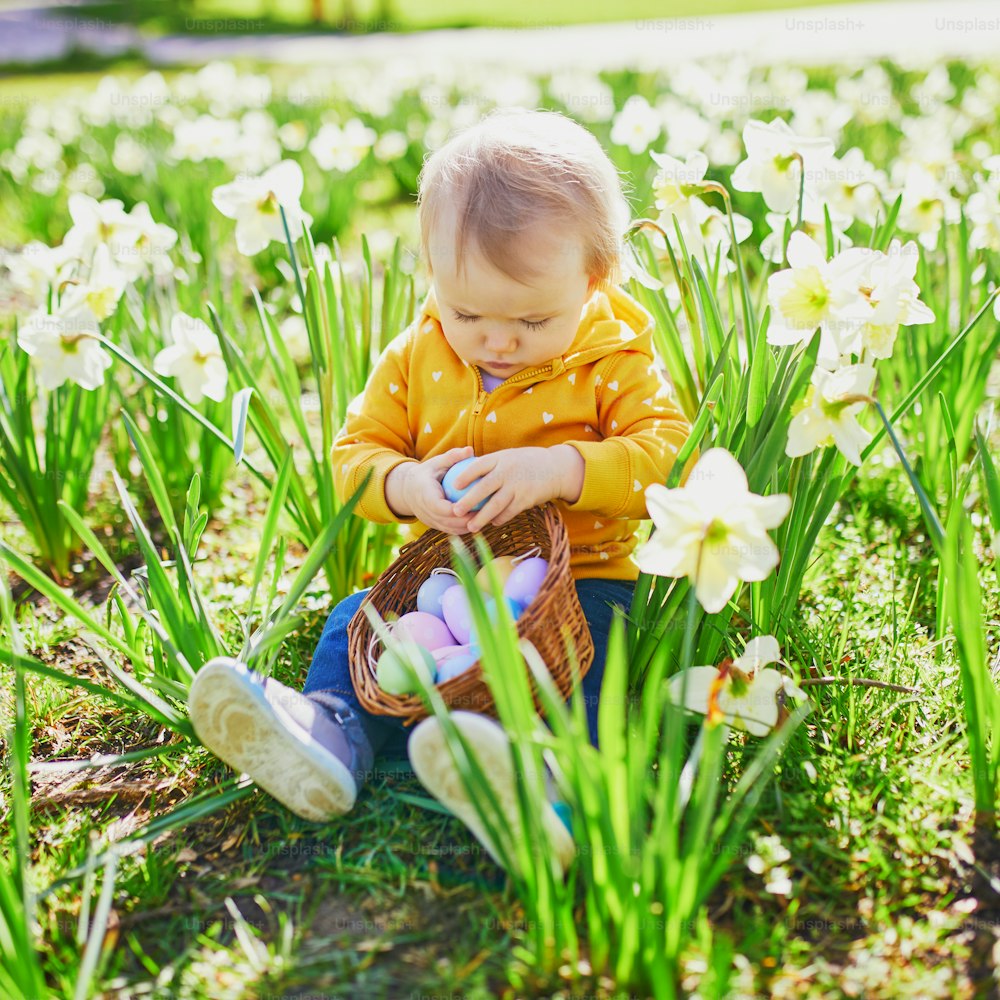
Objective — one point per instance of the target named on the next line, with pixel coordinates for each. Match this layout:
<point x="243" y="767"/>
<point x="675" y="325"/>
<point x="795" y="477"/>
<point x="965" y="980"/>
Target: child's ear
<point x="592" y="283"/>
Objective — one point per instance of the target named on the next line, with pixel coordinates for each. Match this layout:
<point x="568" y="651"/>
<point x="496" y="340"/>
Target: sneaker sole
<point x="434" y="767"/>
<point x="234" y="719"/>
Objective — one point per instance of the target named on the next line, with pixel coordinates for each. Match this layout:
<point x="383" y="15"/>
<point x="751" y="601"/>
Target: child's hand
<point x="417" y="485"/>
<point x="520" y="478"/>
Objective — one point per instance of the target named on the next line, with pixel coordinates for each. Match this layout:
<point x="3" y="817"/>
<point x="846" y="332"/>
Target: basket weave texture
<point x="554" y="611"/>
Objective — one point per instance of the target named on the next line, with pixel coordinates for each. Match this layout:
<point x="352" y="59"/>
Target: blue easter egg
<point x="491" y="609"/>
<point x="455" y="665"/>
<point x="432" y="590"/>
<point x="448" y="483"/>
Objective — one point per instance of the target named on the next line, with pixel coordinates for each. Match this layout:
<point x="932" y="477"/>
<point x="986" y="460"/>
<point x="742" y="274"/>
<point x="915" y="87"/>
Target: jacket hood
<point x="609" y="321"/>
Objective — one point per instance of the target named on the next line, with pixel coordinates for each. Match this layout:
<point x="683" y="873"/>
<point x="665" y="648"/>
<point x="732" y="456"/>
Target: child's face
<point x="510" y="326"/>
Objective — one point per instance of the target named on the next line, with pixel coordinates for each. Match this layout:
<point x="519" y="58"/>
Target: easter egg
<point x="525" y="580"/>
<point x="424" y="629"/>
<point x="431" y="590"/>
<point x="455" y="665"/>
<point x="448" y="483"/>
<point x="391" y="672"/>
<point x="457" y="616"/>
<point x="442" y="654"/>
<point x="504" y="566"/>
<point x="491" y="610"/>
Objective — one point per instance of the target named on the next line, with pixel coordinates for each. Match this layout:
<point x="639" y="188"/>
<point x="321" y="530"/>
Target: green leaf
<point x="761" y="373"/>
<point x="241" y="407"/>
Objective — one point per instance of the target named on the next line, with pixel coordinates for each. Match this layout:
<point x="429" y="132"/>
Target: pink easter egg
<point x="432" y="590"/>
<point x="424" y="629"/>
<point x="526" y="580"/>
<point x="457" y="616"/>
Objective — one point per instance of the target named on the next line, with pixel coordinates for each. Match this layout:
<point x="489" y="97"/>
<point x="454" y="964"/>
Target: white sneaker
<point x="433" y="765"/>
<point x="260" y="727"/>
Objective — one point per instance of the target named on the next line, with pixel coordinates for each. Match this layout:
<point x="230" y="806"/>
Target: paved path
<point x="916" y="32"/>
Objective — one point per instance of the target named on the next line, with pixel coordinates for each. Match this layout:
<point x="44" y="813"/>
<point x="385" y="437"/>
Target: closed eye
<point x="531" y="325"/>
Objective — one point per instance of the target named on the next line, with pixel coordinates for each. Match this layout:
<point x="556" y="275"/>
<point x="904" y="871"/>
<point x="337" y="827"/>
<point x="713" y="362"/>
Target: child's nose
<point x="501" y="343"/>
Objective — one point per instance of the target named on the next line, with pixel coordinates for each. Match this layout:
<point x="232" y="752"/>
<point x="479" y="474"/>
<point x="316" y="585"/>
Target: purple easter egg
<point x="431" y="591"/>
<point x="457" y="616"/>
<point x="525" y="580"/>
<point x="455" y="665"/>
<point x="424" y="629"/>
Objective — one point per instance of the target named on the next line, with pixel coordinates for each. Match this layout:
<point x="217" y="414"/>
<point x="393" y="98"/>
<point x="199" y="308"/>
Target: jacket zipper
<point x="483" y="394"/>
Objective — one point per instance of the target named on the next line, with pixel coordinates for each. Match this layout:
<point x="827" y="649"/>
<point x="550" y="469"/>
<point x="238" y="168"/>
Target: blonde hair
<point x="516" y="168"/>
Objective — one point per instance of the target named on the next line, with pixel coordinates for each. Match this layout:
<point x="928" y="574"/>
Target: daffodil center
<point x="782" y="163"/>
<point x="71" y="342"/>
<point x="739" y="683"/>
<point x="807" y="298"/>
<point x="716" y="532"/>
<point x="268" y="205"/>
<point x="833" y="408"/>
<point x="101" y="300"/>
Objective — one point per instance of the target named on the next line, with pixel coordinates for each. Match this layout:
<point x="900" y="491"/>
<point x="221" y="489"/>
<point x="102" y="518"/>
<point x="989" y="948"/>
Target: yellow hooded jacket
<point x="605" y="396"/>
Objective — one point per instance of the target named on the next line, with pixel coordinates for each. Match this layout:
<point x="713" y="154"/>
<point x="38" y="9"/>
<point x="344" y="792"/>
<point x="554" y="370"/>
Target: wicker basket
<point x="556" y="602"/>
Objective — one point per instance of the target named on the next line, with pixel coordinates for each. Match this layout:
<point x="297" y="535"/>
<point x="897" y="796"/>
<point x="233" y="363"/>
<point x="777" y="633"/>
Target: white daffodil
<point x="63" y="346"/>
<point x="204" y="138"/>
<point x="926" y="204"/>
<point x="828" y="414"/>
<point x="129" y="157"/>
<point x="296" y="337"/>
<point x="36" y="269"/>
<point x="713" y="229"/>
<point x="813" y="292"/>
<point x="712" y="530"/>
<point x="894" y="296"/>
<point x="342" y="149"/>
<point x="688" y="131"/>
<point x="772" y="165"/>
<point x="390" y="146"/>
<point x="983" y="211"/>
<point x="677" y="181"/>
<point x="104" y="285"/>
<point x="813" y="225"/>
<point x="704" y="228"/>
<point x="636" y="125"/>
<point x="676" y="188"/>
<point x="851" y="189"/>
<point x="254" y="203"/>
<point x="147" y="248"/>
<point x="194" y="358"/>
<point x="95" y="223"/>
<point x="742" y="692"/>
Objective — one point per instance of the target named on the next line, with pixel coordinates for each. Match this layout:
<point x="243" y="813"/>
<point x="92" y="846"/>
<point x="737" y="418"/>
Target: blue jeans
<point x="330" y="667"/>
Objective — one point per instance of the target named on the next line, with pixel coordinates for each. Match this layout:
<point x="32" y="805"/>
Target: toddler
<point x="527" y="354"/>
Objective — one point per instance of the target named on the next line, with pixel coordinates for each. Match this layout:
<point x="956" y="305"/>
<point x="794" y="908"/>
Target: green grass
<point x="871" y="800"/>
